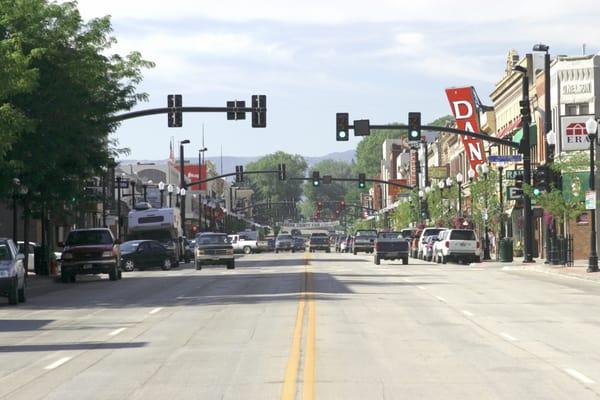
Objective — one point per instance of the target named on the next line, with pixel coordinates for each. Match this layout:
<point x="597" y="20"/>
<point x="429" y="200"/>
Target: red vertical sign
<point x="193" y="174"/>
<point x="462" y="103"/>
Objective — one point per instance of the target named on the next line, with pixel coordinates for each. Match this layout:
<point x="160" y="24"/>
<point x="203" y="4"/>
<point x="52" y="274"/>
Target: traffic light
<point x="414" y="126"/>
<point x="342" y="205"/>
<point x="175" y="116"/>
<point x="540" y="177"/>
<point x="259" y="114"/>
<point x="239" y="173"/>
<point x="316" y="180"/>
<point x="341" y="127"/>
<point x="282" y="174"/>
<point x="234" y="114"/>
<point x="327" y="179"/>
<point x="362" y="181"/>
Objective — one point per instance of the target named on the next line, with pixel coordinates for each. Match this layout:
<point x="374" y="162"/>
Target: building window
<point x="577" y="109"/>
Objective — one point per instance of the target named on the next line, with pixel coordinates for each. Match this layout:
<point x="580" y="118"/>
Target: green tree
<point x="369" y="151"/>
<point x="77" y="87"/>
<point x="268" y="185"/>
<point x="485" y="201"/>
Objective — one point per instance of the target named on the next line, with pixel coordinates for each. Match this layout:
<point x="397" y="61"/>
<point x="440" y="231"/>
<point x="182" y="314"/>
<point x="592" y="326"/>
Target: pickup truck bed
<point x="391" y="249"/>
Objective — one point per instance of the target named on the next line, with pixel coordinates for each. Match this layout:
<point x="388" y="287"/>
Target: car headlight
<point x="4" y="273"/>
<point x="107" y="254"/>
<point x="66" y="256"/>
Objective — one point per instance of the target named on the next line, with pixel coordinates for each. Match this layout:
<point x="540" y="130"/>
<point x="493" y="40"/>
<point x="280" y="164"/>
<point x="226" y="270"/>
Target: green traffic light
<point x="316" y="183"/>
<point x="536" y="192"/>
<point x="361" y="185"/>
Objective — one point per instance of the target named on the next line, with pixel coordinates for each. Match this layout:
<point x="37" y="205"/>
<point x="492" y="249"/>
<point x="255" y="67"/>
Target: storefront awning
<point x="532" y="135"/>
<point x="510" y="128"/>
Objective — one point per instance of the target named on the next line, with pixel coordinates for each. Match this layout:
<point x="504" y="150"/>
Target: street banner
<point x="193" y="175"/>
<point x="464" y="108"/>
<point x="590" y="200"/>
<point x="393" y="191"/>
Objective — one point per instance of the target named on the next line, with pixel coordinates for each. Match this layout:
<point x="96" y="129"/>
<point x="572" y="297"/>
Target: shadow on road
<point x="71" y="346"/>
<point x="21" y="325"/>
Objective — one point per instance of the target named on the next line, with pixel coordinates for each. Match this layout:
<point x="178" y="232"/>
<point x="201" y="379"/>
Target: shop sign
<point x="577" y="88"/>
<point x="438" y="172"/>
<point x="464" y="108"/>
<point x="573" y="133"/>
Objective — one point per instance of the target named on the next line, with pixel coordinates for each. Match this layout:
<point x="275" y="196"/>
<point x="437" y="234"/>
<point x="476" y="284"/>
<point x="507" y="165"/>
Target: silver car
<point x="12" y="272"/>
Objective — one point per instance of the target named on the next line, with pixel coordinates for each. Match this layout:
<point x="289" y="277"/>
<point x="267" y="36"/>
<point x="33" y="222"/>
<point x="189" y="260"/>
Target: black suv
<point x="90" y="251"/>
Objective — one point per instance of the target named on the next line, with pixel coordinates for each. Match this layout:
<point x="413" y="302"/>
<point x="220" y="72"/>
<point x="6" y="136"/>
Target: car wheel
<point x="198" y="265"/>
<point x="376" y="260"/>
<point x="113" y="275"/>
<point x="405" y="261"/>
<point x="129" y="265"/>
<point x="444" y="261"/>
<point x="166" y="264"/>
<point x="293" y="251"/>
<point x="354" y="252"/>
<point x="328" y="250"/>
<point x="247" y="250"/>
<point x="65" y="277"/>
<point x="231" y="265"/>
<point x="22" y="294"/>
<point x="13" y="293"/>
<point x="72" y="277"/>
<point x="276" y="251"/>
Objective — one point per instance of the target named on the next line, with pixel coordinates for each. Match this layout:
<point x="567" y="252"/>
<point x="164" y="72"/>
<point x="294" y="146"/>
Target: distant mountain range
<point x="229" y="162"/>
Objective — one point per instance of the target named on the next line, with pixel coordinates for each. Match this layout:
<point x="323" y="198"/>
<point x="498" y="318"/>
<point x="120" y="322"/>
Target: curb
<point x="550" y="272"/>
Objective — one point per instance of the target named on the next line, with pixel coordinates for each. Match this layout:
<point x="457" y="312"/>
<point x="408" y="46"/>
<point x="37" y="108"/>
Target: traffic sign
<point x="590" y="200"/>
<point x="514" y="193"/>
<point x="506" y="158"/>
<point x="514" y="174"/>
<point x="124" y="183"/>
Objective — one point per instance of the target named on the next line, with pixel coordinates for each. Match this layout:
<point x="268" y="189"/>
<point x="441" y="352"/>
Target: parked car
<point x="90" y="251"/>
<point x="319" y="241"/>
<point x="284" y="242"/>
<point x="390" y="246"/>
<point x="30" y="253"/>
<point x="408" y="233"/>
<point x="428" y="247"/>
<point x="213" y="248"/>
<point x="460" y="245"/>
<point x="12" y="272"/>
<point x="142" y="254"/>
<point x="243" y="244"/>
<point x="299" y="243"/>
<point x="364" y="240"/>
<point x="424" y="234"/>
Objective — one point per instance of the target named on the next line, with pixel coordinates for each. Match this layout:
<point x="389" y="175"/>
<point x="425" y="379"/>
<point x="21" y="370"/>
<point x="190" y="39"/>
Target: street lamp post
<point x="182" y="206"/>
<point x="554" y="258"/>
<point x="592" y="127"/>
<point x="201" y="159"/>
<point x="132" y="183"/>
<point x="459" y="181"/>
<point x="421" y="196"/>
<point x="161" y="189"/>
<point x="170" y="191"/>
<point x="526" y="150"/>
<point x="484" y="169"/>
<point x="15" y="195"/>
<point x="182" y="181"/>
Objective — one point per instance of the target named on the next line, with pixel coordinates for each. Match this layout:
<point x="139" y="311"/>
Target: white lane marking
<point x="157" y="309"/>
<point x="579" y="376"/>
<point x="421" y="287"/>
<point x="440" y="298"/>
<point x="467" y="313"/>
<point x="58" y="363"/>
<point x="508" y="337"/>
<point x="116" y="331"/>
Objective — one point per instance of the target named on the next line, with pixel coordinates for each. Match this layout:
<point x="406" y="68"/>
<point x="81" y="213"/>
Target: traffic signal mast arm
<point x="455" y="131"/>
<point x="166" y="110"/>
<point x="273" y="203"/>
<point x="229" y="174"/>
<point x="356" y="180"/>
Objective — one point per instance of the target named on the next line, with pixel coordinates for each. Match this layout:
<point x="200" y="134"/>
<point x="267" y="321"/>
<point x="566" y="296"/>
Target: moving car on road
<point x="319" y="241"/>
<point x="12" y="272"/>
<point x="284" y="242"/>
<point x="390" y="246"/>
<point x="364" y="240"/>
<point x="142" y="254"/>
<point x="213" y="248"/>
<point x="243" y="244"/>
<point x="299" y="243"/>
<point x="460" y="245"/>
<point x="90" y="251"/>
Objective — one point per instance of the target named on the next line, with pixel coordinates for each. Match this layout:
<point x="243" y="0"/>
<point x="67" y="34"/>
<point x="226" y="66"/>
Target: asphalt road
<point x="312" y="325"/>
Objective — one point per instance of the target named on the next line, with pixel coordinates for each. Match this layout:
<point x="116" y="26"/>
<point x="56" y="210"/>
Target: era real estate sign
<point x="462" y="103"/>
<point x="573" y="133"/>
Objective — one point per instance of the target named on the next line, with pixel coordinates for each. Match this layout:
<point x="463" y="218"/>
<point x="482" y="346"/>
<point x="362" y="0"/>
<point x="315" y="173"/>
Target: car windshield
<point x="5" y="254"/>
<point x="389" y="235"/>
<point x="284" y="237"/>
<point x="212" y="239"/>
<point x="366" y="233"/>
<point x="432" y="232"/>
<point x="79" y="238"/>
<point x="462" y="235"/>
<point x="128" y="247"/>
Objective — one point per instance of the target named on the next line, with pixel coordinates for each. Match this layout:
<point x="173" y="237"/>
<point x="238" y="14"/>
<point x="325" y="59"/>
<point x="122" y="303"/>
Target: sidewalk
<point x="577" y="271"/>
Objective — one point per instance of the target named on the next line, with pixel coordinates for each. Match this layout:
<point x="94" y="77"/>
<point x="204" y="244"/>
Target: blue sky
<point x="378" y="59"/>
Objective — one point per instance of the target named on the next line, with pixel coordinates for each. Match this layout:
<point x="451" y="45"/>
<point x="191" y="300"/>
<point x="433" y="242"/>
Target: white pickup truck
<point x="243" y="244"/>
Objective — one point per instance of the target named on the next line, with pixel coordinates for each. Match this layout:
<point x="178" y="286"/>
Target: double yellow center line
<point x="306" y="306"/>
